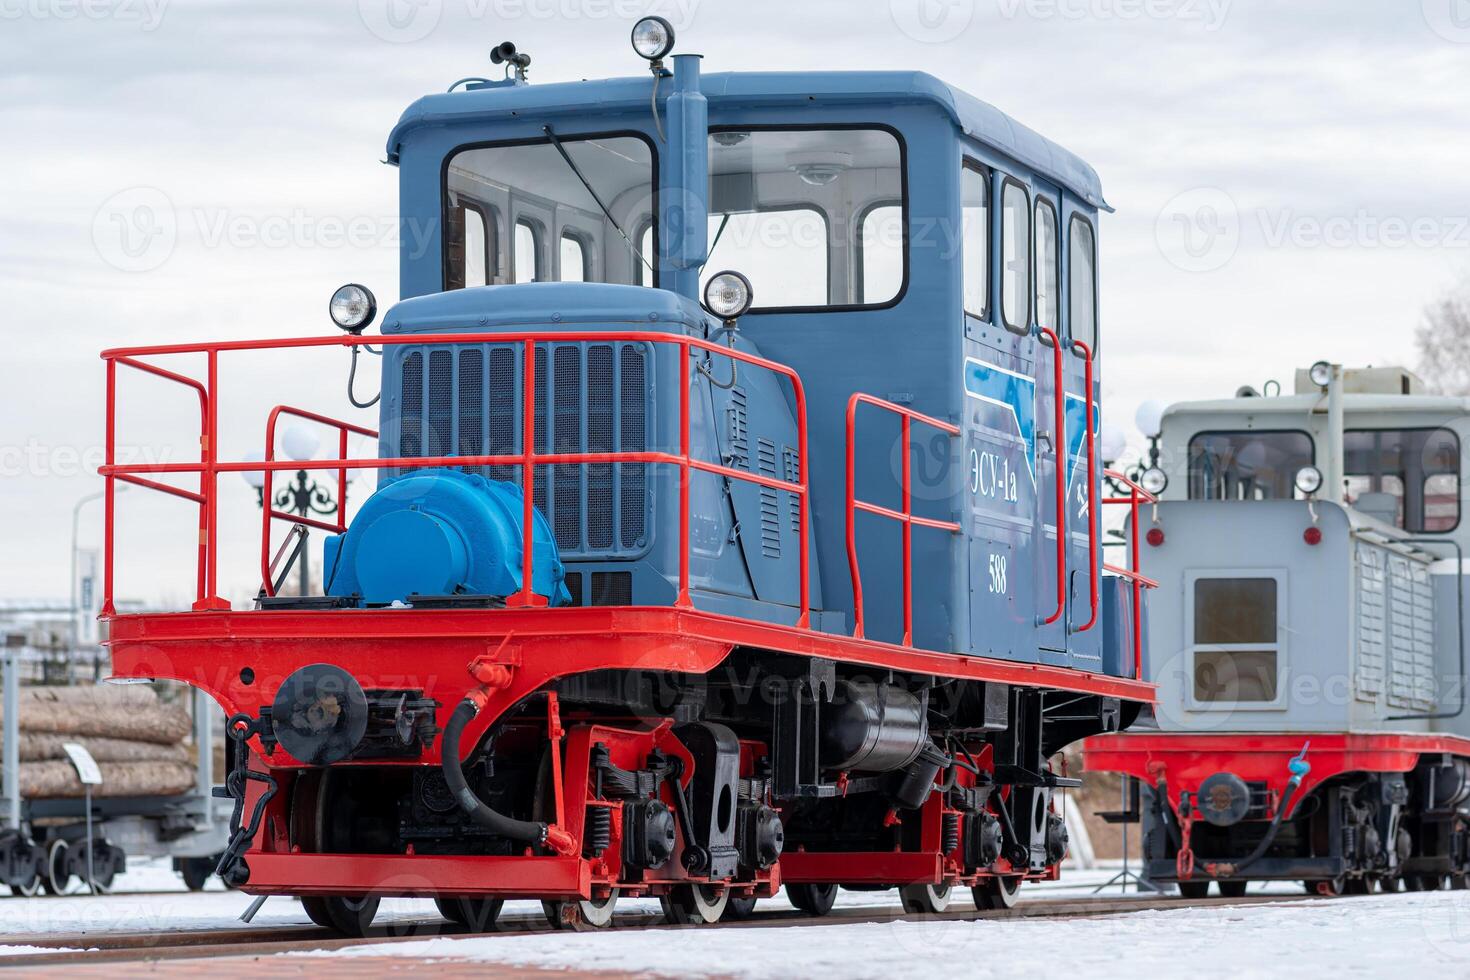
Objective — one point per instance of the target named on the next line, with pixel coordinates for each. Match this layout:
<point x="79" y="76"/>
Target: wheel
<point x="57" y="878"/>
<point x="924" y="899"/>
<point x="995" y="894"/>
<point x="349" y="916"/>
<point x="694" y="905"/>
<point x="581" y="915"/>
<point x="103" y="869"/>
<point x="1388" y="885"/>
<point x="1458" y="883"/>
<point x="475" y="914"/>
<point x="1231" y="889"/>
<point x="1357" y="886"/>
<point x="1413" y="884"/>
<point x="1328" y="887"/>
<point x="196" y="872"/>
<point x="737" y="909"/>
<point x="1430" y="883"/>
<point x="1194" y="890"/>
<point x="812" y="899"/>
<point x="28" y="888"/>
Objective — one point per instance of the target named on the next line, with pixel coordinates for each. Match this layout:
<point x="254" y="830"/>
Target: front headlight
<point x="1308" y="480"/>
<point x="353" y="307"/>
<point x="653" y="38"/>
<point x="1154" y="480"/>
<point x="728" y="295"/>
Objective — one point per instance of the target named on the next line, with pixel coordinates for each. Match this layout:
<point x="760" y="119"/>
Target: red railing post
<point x="527" y="595"/>
<point x="109" y="488"/>
<point x="683" y="600"/>
<point x="905" y="516"/>
<point x="209" y="477"/>
<point x="1093" y="571"/>
<point x="1060" y="451"/>
<point x="1136" y="495"/>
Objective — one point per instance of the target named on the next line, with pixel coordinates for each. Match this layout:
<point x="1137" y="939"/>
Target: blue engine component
<point x="440" y="532"/>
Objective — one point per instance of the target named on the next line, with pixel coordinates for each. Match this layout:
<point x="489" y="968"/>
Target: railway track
<point x="90" y="948"/>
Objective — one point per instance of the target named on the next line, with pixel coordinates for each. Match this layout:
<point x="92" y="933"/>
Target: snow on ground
<point x="1425" y="934"/>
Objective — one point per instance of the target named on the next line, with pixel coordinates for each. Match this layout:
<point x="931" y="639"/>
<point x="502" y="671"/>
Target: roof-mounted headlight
<point x="653" y="38"/>
<point x="728" y="295"/>
<point x="353" y="307"/>
<point x="1321" y="374"/>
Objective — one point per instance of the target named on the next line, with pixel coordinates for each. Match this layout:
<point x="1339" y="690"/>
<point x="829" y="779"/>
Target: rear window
<point x="1236" y="648"/>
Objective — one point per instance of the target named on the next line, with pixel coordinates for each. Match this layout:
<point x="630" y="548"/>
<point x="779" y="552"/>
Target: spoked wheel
<point x="581" y="915"/>
<point x="57" y="878"/>
<point x="1231" y="889"/>
<point x="812" y="899"/>
<point x="694" y="905"/>
<point x="996" y="893"/>
<point x="924" y="899"/>
<point x="475" y="914"/>
<point x="349" y="916"/>
<point x="738" y="908"/>
<point x="1194" y="890"/>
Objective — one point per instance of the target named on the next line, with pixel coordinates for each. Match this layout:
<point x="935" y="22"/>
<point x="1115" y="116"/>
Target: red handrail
<point x="1136" y="496"/>
<point x="906" y="516"/>
<point x="267" y="508"/>
<point x="1093" y="575"/>
<point x="209" y="467"/>
<point x="206" y="450"/>
<point x="1060" y="451"/>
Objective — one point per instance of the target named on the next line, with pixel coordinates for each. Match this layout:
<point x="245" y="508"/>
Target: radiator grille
<point x="589" y="397"/>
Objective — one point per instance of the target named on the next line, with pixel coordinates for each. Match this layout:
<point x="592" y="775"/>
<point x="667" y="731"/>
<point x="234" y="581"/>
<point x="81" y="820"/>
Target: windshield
<point x="1247" y="465"/>
<point x="521" y="213"/>
<point x="813" y="217"/>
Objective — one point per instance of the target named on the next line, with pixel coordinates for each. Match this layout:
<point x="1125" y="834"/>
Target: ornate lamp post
<point x="304" y="496"/>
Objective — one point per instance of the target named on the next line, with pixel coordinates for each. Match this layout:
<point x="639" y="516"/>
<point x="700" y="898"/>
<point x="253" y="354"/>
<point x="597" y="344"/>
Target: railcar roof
<point x="976" y="119"/>
<point x="1295" y="405"/>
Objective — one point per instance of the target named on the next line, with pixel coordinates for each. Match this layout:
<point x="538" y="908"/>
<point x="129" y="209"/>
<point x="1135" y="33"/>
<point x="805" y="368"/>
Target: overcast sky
<point x="1291" y="183"/>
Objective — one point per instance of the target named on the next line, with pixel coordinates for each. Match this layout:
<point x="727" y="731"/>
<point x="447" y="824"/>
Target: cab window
<point x="975" y="238"/>
<point x="539" y="195"/>
<point x="1046" y="264"/>
<point x="1250" y="465"/>
<point x="1082" y="281"/>
<point x="1015" y="257"/>
<point x="1407" y="477"/>
<point x="815" y="218"/>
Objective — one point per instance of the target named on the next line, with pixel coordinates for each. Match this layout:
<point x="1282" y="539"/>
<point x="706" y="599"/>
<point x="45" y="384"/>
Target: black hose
<point x="519" y="830"/>
<point x="1271" y="831"/>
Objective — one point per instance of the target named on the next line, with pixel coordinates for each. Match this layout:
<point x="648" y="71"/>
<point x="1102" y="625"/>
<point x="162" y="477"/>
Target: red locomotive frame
<point x="508" y="654"/>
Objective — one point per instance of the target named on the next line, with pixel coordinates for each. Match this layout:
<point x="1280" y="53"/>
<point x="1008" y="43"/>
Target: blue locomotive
<point x="737" y="523"/>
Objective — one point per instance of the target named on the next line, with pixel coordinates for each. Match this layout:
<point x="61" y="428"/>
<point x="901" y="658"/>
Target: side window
<point x="1235" y="649"/>
<point x="1082" y="281"/>
<point x="975" y="238"/>
<point x="881" y="245"/>
<point x="1015" y="256"/>
<point x="573" y="259"/>
<point x="471" y="245"/>
<point x="1406" y="477"/>
<point x="1047" y="259"/>
<point x="527" y="252"/>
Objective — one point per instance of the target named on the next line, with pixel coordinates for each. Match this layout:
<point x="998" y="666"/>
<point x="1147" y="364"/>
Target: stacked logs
<point x="137" y="741"/>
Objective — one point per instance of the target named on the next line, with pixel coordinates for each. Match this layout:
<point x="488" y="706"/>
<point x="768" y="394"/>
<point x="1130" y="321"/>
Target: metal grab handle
<point x="1093" y="573"/>
<point x="1059" y="450"/>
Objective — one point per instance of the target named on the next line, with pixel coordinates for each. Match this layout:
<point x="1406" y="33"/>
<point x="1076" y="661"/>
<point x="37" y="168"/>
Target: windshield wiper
<point x="587" y="184"/>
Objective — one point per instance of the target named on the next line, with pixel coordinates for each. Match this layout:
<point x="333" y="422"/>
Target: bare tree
<point x="1443" y="342"/>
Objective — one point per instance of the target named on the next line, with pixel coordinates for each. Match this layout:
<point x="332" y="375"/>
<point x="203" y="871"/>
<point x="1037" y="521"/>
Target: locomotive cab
<point x="1310" y="656"/>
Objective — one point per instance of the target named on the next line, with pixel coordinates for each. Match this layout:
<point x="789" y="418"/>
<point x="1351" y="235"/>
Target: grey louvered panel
<point x="1372" y="625"/>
